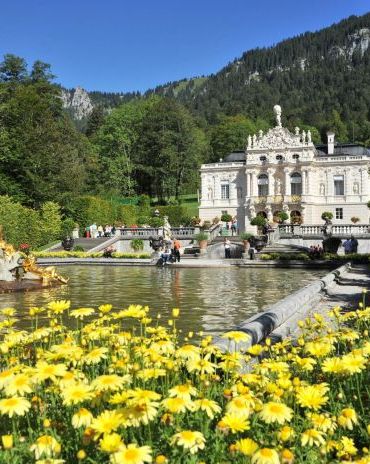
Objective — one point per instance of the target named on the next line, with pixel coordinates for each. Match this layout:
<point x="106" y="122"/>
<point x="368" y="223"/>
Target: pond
<point x="212" y="300"/>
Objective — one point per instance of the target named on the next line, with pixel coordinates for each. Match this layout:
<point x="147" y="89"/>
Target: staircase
<point x="277" y="247"/>
<point x="86" y="243"/>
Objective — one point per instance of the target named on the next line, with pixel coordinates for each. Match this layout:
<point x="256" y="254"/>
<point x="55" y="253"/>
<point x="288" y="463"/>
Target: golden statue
<point x="47" y="274"/>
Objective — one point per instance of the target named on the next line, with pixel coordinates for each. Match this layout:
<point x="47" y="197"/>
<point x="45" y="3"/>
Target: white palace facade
<point x="282" y="171"/>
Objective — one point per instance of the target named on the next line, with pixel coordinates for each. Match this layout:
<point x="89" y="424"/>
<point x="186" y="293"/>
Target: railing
<point x="317" y="230"/>
<point x="214" y="231"/>
<point x="179" y="232"/>
<point x="141" y="231"/>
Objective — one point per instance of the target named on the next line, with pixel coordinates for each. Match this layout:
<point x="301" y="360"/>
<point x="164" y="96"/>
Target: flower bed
<point x="84" y="254"/>
<point x="105" y="393"/>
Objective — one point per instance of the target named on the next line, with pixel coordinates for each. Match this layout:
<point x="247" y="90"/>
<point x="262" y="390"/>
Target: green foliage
<point x="284" y="257"/>
<point x="137" y="244"/>
<point x="177" y="214"/>
<point x="67" y="227"/>
<point x="84" y="254"/>
<point x="143" y="220"/>
<point x="25" y="225"/>
<point x="78" y="248"/>
<point x="201" y="236"/>
<point x="156" y="222"/>
<point x="226" y="217"/>
<point x="283" y="216"/>
<point x="259" y="221"/>
<point x="246" y="236"/>
<point x="327" y="215"/>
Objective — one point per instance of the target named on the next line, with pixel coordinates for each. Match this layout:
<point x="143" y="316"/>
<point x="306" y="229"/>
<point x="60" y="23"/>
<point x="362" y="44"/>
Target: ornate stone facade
<point x="281" y="171"/>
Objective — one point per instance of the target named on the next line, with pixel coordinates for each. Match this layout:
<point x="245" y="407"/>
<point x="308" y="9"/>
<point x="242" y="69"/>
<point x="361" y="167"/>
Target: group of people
<point x="350" y="245"/>
<point x="232" y="226"/>
<point x="171" y="252"/>
<point x="94" y="231"/>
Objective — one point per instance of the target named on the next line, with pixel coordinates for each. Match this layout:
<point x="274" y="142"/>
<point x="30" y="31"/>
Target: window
<point x="279" y="158"/>
<point x="339" y="185"/>
<point x="338" y="213"/>
<point x="225" y="191"/>
<point x="224" y="212"/>
<point x="296" y="183"/>
<point x="263" y="159"/>
<point x="295" y="157"/>
<point x="263" y="185"/>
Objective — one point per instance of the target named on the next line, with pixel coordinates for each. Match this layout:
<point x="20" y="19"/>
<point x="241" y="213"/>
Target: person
<point x="347" y="245"/>
<point x="100" y="231"/>
<point x="354" y="244"/>
<point x="113" y="230"/>
<point x="93" y="229"/>
<point x="165" y="256"/>
<point x="176" y="249"/>
<point x="87" y="232"/>
<point x="227" y="246"/>
<point x="234" y="227"/>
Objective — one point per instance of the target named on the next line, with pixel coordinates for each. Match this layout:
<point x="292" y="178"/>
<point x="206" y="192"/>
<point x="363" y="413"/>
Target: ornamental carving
<point x="278" y="137"/>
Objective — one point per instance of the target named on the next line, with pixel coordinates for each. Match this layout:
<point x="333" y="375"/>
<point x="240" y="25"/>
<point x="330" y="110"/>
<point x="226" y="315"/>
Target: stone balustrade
<point x="337" y="230"/>
<point x="146" y="232"/>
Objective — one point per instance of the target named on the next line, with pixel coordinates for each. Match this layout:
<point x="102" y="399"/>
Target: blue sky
<point x="121" y="45"/>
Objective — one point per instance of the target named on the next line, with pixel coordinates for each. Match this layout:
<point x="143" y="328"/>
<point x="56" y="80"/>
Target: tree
<point x="95" y="120"/>
<point x="41" y="72"/>
<point x="13" y="69"/>
<point x="170" y="149"/>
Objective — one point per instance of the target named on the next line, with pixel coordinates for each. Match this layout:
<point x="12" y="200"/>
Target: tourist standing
<point x="227" y="246"/>
<point x="93" y="230"/>
<point x="176" y="249"/>
<point x="347" y="245"/>
<point x="234" y="227"/>
<point x="354" y="244"/>
<point x="100" y="231"/>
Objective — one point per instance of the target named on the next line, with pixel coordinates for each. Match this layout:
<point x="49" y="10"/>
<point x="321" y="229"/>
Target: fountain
<point x="18" y="274"/>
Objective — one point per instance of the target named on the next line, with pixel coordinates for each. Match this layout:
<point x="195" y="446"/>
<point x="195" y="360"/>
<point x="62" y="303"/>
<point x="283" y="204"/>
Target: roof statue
<point x="277" y="111"/>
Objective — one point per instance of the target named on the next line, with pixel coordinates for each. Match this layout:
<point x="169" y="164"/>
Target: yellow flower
<point x="14" y="406"/>
<point x="306" y="364"/>
<point x="287" y="456"/>
<point x="132" y="454"/>
<point x="276" y="412"/>
<point x="5" y="377"/>
<point x="312" y="437"/>
<point x="347" y="447"/>
<point x="142" y="396"/>
<point x="19" y="384"/>
<point x="333" y="366"/>
<point x="110" y="443"/>
<point x="96" y="355"/>
<point x="8" y="312"/>
<point x="347" y="418"/>
<point x="107" y="422"/>
<point x="76" y="393"/>
<point x="105" y="308"/>
<point x="354" y="364"/>
<point x="82" y="418"/>
<point x="265" y="456"/>
<point x="246" y="446"/>
<point x="177" y="405"/>
<point x="201" y="365"/>
<point x="189" y="440"/>
<point x="58" y="307"/>
<point x="322" y="422"/>
<point x="312" y="396"/>
<point x="236" y="336"/>
<point x="239" y="405"/>
<point x="235" y="423"/>
<point x="185" y="391"/>
<point x="7" y="441"/>
<point x="320" y="349"/>
<point x="46" y="446"/>
<point x="80" y="313"/>
<point x="175" y="312"/>
<point x="81" y="455"/>
<point x="209" y="406"/>
<point x="45" y="371"/>
<point x="188" y="352"/>
<point x="286" y="433"/>
<point x="111" y="382"/>
<point x="161" y="459"/>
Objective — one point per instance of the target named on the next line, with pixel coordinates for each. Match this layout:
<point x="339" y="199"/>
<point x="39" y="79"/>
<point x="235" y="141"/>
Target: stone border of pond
<point x="283" y="316"/>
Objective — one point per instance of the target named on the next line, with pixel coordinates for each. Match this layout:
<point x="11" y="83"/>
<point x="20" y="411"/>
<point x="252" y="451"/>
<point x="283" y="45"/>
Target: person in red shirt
<point x="176" y="249"/>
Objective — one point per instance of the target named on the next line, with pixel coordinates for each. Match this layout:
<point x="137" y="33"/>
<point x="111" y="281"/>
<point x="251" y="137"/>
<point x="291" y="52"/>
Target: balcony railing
<point x="337" y="230"/>
<point x="146" y="232"/>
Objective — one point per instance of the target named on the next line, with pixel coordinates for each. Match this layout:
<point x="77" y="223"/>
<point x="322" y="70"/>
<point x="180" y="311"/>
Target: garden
<point x="121" y="387"/>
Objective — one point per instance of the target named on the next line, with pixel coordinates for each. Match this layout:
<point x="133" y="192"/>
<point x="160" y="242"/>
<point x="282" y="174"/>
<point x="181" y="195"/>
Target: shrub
<point x="143" y="220"/>
<point x="67" y="228"/>
<point x="331" y="244"/>
<point x="201" y="236"/>
<point x="78" y="248"/>
<point x="355" y="219"/>
<point x="283" y="216"/>
<point x="176" y="214"/>
<point x="156" y="222"/>
<point x="226" y="217"/>
<point x="259" y="221"/>
<point x="246" y="236"/>
<point x="215" y="220"/>
<point x="327" y="215"/>
<point x="206" y="225"/>
<point x="137" y="244"/>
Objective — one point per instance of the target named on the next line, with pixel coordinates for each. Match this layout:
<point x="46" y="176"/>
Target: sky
<point x="122" y="45"/>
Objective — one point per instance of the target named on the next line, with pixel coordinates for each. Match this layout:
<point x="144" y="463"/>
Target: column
<point x="364" y="182"/>
<point x="271" y="186"/>
<point x="304" y="177"/>
<point x="248" y="184"/>
<point x="287" y="182"/>
<point x="308" y="185"/>
<point x="233" y="191"/>
<point x="254" y="186"/>
<point x="347" y="182"/>
<point x="330" y="183"/>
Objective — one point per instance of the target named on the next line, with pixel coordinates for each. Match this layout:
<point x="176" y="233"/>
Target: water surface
<point x="212" y="300"/>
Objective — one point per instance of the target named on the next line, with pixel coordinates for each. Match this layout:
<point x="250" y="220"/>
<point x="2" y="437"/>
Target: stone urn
<point x="67" y="243"/>
<point x="246" y="245"/>
<point x="203" y="245"/>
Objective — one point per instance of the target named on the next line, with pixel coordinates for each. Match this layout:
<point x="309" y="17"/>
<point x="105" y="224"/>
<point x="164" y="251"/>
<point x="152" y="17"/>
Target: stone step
<point x="86" y="243"/>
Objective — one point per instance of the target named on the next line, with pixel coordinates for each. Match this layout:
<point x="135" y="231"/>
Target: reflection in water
<point x="213" y="300"/>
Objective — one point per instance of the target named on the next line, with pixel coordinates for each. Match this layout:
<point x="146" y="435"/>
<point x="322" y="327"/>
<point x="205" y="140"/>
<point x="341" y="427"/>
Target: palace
<point x="281" y="171"/>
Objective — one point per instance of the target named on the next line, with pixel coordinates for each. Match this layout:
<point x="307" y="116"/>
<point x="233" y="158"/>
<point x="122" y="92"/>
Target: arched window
<point x="263" y="185"/>
<point x="279" y="158"/>
<point x="263" y="159"/>
<point x="296" y="183"/>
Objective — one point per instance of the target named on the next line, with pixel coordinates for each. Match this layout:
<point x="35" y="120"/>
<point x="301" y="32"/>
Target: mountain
<point x="310" y="76"/>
